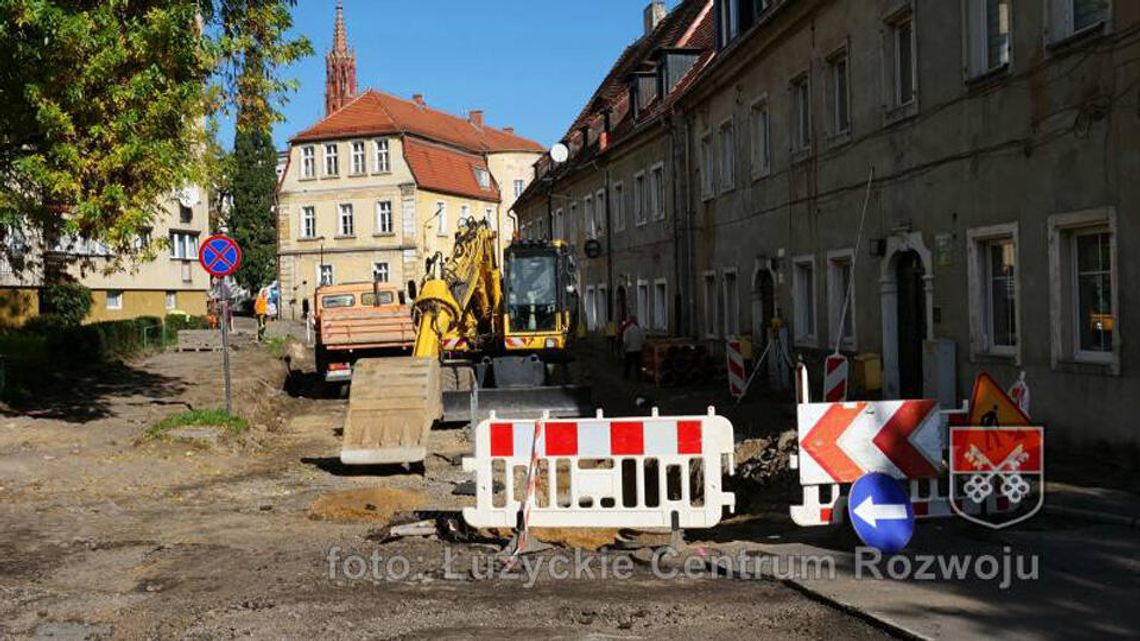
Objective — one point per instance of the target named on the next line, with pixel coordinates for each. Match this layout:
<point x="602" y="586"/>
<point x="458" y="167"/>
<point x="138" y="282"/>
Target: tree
<point x="105" y="105"/>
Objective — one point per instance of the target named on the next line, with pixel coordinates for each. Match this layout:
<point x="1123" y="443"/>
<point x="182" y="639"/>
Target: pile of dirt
<point x="763" y="472"/>
<point x="374" y="505"/>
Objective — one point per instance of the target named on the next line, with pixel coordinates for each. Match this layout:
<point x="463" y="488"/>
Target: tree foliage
<point x="105" y="104"/>
<point x="68" y="301"/>
<point x="252" y="184"/>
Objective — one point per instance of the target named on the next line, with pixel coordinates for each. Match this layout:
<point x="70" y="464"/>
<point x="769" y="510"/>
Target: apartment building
<point x="999" y="217"/>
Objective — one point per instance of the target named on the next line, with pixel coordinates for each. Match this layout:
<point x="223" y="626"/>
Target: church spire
<point x="340" y="67"/>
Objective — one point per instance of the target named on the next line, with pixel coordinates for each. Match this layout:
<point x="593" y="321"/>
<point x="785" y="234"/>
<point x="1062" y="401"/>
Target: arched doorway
<point x="763" y="307"/>
<point x="622" y="308"/>
<point x="906" y="287"/>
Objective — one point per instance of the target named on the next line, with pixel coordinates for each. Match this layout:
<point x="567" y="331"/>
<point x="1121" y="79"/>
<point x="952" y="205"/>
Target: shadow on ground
<point x="333" y="466"/>
<point x="81" y="396"/>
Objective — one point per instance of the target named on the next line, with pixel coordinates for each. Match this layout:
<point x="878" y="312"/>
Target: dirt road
<point x="104" y="535"/>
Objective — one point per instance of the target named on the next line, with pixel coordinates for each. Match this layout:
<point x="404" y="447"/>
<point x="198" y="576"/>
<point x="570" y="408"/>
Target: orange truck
<point x="360" y="320"/>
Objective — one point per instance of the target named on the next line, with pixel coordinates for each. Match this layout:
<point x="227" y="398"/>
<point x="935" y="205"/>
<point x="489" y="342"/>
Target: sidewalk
<point x="1093" y="504"/>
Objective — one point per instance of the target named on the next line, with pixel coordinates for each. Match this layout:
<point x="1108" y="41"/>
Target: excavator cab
<point x="541" y="296"/>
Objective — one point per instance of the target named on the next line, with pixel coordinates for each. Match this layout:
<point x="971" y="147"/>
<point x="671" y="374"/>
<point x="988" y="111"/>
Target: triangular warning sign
<point x="990" y="406"/>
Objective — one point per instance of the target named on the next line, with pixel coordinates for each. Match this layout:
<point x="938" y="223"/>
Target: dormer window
<point x="643" y="91"/>
<point x="484" y="178"/>
<point x="672" y="65"/>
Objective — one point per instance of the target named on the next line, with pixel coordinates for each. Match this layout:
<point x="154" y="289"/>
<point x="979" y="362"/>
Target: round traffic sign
<point x="881" y="512"/>
<point x="220" y="256"/>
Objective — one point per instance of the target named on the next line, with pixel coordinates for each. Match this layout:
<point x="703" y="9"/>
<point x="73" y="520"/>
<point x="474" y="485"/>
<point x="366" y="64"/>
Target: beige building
<point x="173" y="280"/>
<point x="381" y="183"/>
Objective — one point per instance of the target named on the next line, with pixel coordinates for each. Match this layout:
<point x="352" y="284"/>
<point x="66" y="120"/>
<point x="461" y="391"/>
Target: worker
<point x="632" y="340"/>
<point x="260" y="309"/>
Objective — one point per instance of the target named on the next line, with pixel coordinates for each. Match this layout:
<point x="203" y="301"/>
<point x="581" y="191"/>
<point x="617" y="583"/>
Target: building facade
<point x="381" y="183"/>
<point x="990" y="144"/>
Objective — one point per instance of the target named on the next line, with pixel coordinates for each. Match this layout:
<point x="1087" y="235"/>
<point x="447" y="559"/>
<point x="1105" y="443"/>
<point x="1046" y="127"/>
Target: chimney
<point x="476" y="118"/>
<point x="654" y="14"/>
<point x="509" y="130"/>
<point x="419" y="99"/>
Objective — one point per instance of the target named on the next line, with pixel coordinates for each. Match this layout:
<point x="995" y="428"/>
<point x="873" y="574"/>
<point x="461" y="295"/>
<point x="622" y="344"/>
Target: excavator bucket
<point x="566" y="401"/>
<point x="391" y="408"/>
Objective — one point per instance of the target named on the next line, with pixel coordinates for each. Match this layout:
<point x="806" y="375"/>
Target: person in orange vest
<point x="260" y="309"/>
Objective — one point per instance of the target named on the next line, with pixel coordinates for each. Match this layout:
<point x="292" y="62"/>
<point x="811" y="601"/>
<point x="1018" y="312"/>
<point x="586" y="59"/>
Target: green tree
<point x="105" y="104"/>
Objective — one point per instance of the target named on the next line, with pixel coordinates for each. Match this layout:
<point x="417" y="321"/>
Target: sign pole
<point x="226" y="353"/>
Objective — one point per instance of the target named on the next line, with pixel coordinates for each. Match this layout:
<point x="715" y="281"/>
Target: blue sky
<point x="530" y="64"/>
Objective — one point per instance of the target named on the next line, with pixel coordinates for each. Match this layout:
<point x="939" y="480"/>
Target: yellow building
<point x="381" y="183"/>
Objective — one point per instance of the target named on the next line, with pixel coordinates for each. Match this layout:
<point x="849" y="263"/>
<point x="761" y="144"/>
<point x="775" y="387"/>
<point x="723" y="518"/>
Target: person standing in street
<point x="260" y="309"/>
<point x="632" y="340"/>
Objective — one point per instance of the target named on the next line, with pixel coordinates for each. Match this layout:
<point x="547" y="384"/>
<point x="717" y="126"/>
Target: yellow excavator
<point x="487" y="339"/>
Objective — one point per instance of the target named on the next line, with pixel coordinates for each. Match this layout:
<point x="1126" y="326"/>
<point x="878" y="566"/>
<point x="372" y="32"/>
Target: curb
<point x="1093" y="515"/>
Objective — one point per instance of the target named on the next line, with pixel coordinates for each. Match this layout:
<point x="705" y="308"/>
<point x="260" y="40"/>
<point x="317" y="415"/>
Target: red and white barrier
<point x="835" y="370"/>
<point x="645" y="472"/>
<point x="737" y="374"/>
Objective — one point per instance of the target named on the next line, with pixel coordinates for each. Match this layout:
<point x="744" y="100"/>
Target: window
<point x="761" y="139"/>
<point x="1083" y="251"/>
<point x="588" y="212"/>
<point x="1071" y="17"/>
<point x="332" y="166"/>
<point x="988" y="36"/>
<point x="600" y="212"/>
<point x="383" y="156"/>
<point x="345" y="222"/>
<point x="171" y="300"/>
<point x="643" y="303"/>
<point x="183" y="245"/>
<point x="801" y="106"/>
<point x="661" y="305"/>
<point x="520" y="187"/>
<point x="359" y="161"/>
<point x="731" y="304"/>
<point x="708" y="167"/>
<point x="803" y="298"/>
<point x="489" y="216"/>
<point x="441" y="225"/>
<point x="603" y="304"/>
<point x="591" y="308"/>
<point x="727" y="156"/>
<point x="325" y="275"/>
<point x="185" y="214"/>
<point x="573" y="216"/>
<point x="464" y="213"/>
<point x="710" y="304"/>
<point x="559" y="225"/>
<point x="729" y="21"/>
<point x="308" y="222"/>
<point x="308" y="162"/>
<point x="993" y="280"/>
<point x="484" y="178"/>
<point x="619" y="206"/>
<point x="840" y="98"/>
<point x="384" y="217"/>
<point x="657" y="191"/>
<point x="640" y="198"/>
<point x="114" y="299"/>
<point x="380" y="272"/>
<point x="841" y="310"/>
<point x="903" y="56"/>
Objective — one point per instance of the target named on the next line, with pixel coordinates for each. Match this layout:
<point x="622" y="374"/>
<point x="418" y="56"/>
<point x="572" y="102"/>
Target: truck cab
<point x="360" y="320"/>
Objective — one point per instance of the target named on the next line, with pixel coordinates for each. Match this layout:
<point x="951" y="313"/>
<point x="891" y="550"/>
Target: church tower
<point x="340" y="67"/>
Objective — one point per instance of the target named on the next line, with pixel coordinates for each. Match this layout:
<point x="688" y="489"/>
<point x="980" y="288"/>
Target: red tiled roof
<point x="379" y="113"/>
<point x="442" y="169"/>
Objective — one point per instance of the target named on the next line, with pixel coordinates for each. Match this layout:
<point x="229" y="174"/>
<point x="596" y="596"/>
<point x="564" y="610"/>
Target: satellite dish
<point x="560" y="153"/>
<point x="189" y="196"/>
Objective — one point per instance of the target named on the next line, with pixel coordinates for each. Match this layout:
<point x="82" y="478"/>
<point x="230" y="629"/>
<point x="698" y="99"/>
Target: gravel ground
<point x="106" y="536"/>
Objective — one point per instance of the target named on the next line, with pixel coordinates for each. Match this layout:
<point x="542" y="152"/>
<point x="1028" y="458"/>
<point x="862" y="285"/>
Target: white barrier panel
<point x="644" y="472"/>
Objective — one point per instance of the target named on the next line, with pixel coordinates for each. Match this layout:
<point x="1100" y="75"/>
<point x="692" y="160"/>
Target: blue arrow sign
<point x="881" y="512"/>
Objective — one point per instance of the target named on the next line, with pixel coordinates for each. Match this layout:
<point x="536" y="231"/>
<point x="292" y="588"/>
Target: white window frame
<point x="601" y="211"/>
<point x="761" y="147"/>
<point x="183" y="245"/>
<point x="1060" y="21"/>
<point x="590" y="222"/>
<point x="344" y="230"/>
<point x="590" y="307"/>
<point x="712" y="305"/>
<point x="894" y="28"/>
<point x="358" y="152"/>
<point x="308" y="162"/>
<point x="978" y="240"/>
<point x="464" y="212"/>
<point x="643" y="303"/>
<point x="976" y="39"/>
<point x="726" y="154"/>
<point x="661" y="305"/>
<point x="618" y="206"/>
<point x="640" y="191"/>
<point x="115" y="299"/>
<point x="657" y="191"/>
<point x="837" y="296"/>
<point x="801" y="112"/>
<point x="708" y="166"/>
<point x="520" y="187"/>
<point x="1063" y="228"/>
<point x="171" y="301"/>
<point x="483" y="177"/>
<point x="308" y="222"/>
<point x="441" y="223"/>
<point x="730" y="318"/>
<point x="382" y="157"/>
<point x="837" y="98"/>
<point x="332" y="160"/>
<point x="320" y="274"/>
<point x="385" y="216"/>
<point x="806" y="333"/>
<point x="383" y="269"/>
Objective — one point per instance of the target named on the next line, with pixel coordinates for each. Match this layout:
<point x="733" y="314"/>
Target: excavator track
<point x="392" y="406"/>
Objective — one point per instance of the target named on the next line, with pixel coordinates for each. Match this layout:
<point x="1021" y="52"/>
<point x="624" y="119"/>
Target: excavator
<point x="489" y="338"/>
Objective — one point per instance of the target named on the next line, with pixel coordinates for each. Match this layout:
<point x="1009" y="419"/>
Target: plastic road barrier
<point x="644" y="472"/>
<point x="734" y="352"/>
